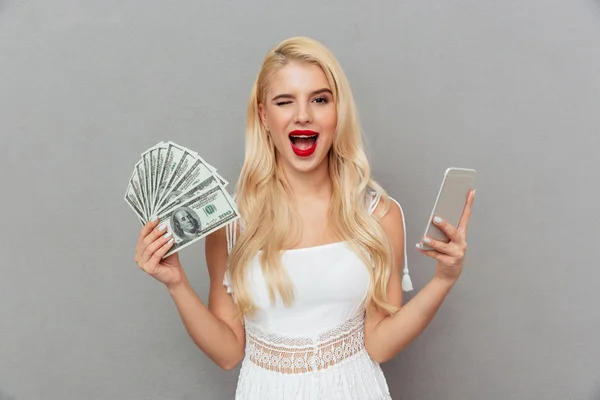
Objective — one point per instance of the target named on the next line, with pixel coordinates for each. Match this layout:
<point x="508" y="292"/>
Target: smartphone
<point x="450" y="202"/>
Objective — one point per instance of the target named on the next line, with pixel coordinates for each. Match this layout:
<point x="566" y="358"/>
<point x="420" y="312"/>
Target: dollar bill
<point x="164" y="173"/>
<point x="197" y="173"/>
<point x="153" y="165"/>
<point x="141" y="173"/>
<point x="148" y="175"/>
<point x="160" y="163"/>
<point x="132" y="199"/>
<point x="150" y="158"/>
<point x="199" y="216"/>
<point x="215" y="173"/>
<point x="221" y="180"/>
<point x="173" y="158"/>
<point x="190" y="164"/>
<point x="193" y="191"/>
<point x="134" y="182"/>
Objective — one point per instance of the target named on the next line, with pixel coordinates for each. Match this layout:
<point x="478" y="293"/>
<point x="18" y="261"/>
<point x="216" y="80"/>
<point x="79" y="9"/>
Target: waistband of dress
<point x="291" y="355"/>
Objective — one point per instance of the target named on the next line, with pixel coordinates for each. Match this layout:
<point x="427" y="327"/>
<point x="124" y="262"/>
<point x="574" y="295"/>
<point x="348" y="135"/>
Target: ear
<point x="262" y="112"/>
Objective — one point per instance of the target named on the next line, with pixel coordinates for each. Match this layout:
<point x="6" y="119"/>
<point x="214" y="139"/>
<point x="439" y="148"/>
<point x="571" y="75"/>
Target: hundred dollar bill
<point x="152" y="155"/>
<point x="221" y="180"/>
<point x="172" y="160"/>
<point x="197" y="173"/>
<point x="150" y="159"/>
<point x="186" y="162"/>
<point x="199" y="216"/>
<point x="134" y="182"/>
<point x="215" y="173"/>
<point x="133" y="201"/>
<point x="141" y="173"/>
<point x="160" y="162"/>
<point x="163" y="174"/>
<point x="193" y="191"/>
<point x="148" y="174"/>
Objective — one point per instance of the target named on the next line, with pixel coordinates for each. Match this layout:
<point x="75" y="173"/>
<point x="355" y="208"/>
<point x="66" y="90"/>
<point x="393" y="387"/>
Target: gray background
<point x="511" y="88"/>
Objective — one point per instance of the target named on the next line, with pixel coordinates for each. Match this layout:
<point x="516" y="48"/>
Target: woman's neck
<point x="312" y="184"/>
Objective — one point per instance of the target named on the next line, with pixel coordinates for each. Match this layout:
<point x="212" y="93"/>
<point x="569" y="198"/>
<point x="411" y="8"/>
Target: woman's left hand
<point x="450" y="256"/>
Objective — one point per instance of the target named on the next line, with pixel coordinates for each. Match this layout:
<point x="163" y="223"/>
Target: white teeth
<point x="303" y="136"/>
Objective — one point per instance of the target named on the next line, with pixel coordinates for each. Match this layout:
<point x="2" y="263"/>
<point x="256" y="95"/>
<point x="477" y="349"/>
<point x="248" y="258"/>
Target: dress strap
<point x="406" y="281"/>
<point x="375" y="197"/>
<point x="231" y="233"/>
<point x="231" y="230"/>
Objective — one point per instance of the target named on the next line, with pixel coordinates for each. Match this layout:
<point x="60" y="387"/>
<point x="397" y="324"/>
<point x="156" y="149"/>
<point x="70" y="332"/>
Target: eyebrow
<point x="289" y="96"/>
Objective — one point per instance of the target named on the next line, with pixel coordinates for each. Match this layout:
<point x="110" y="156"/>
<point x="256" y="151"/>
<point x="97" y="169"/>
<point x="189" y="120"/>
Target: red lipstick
<point x="304" y="142"/>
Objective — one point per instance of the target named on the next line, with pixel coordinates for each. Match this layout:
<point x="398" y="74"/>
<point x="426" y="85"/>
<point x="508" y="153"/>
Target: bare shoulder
<point x="392" y="221"/>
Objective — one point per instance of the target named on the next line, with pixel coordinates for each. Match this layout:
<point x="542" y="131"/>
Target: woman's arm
<point x="214" y="329"/>
<point x="386" y="335"/>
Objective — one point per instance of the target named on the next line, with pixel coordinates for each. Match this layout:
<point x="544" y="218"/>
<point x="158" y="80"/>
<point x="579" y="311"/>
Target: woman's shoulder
<point x="381" y="204"/>
<point x="391" y="216"/>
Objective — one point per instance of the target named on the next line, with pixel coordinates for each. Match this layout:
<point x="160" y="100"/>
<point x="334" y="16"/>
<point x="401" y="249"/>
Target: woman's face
<point x="300" y="114"/>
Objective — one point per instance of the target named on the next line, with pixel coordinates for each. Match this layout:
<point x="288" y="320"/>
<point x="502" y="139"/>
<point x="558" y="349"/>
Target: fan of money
<point x="184" y="191"/>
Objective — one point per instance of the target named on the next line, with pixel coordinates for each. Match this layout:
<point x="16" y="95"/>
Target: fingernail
<point x="474" y="192"/>
<point x="167" y="235"/>
<point x="170" y="241"/>
<point x="162" y="226"/>
<point x="437" y="220"/>
<point x="426" y="240"/>
<point x="154" y="218"/>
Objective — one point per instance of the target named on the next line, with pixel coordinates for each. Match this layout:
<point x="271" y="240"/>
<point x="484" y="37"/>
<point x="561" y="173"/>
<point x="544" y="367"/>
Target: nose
<point x="303" y="115"/>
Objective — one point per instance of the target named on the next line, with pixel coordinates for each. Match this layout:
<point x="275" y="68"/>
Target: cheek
<point x="278" y="125"/>
<point x="332" y="124"/>
<point x="329" y="122"/>
<point x="280" y="116"/>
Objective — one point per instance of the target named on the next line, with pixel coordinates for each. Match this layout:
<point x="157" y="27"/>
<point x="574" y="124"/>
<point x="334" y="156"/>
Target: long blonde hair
<point x="271" y="224"/>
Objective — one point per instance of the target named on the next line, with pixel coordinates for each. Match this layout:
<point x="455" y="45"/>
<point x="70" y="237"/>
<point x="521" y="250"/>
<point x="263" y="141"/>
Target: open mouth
<point x="304" y="143"/>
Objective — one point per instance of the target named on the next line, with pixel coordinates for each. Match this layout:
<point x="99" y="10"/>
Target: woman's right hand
<point x="153" y="243"/>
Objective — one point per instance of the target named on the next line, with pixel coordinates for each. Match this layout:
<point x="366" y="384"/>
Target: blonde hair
<point x="271" y="224"/>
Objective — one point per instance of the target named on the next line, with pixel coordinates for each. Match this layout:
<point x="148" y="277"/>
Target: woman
<point x="306" y="290"/>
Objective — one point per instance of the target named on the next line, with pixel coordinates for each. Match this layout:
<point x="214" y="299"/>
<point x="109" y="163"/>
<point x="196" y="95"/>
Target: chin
<point x="306" y="165"/>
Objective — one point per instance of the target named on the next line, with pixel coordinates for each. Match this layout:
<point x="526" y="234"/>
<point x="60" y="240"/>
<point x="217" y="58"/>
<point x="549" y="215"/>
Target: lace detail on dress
<point x="296" y="355"/>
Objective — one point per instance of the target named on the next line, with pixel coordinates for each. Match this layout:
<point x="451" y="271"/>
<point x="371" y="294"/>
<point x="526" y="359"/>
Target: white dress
<point x="315" y="348"/>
